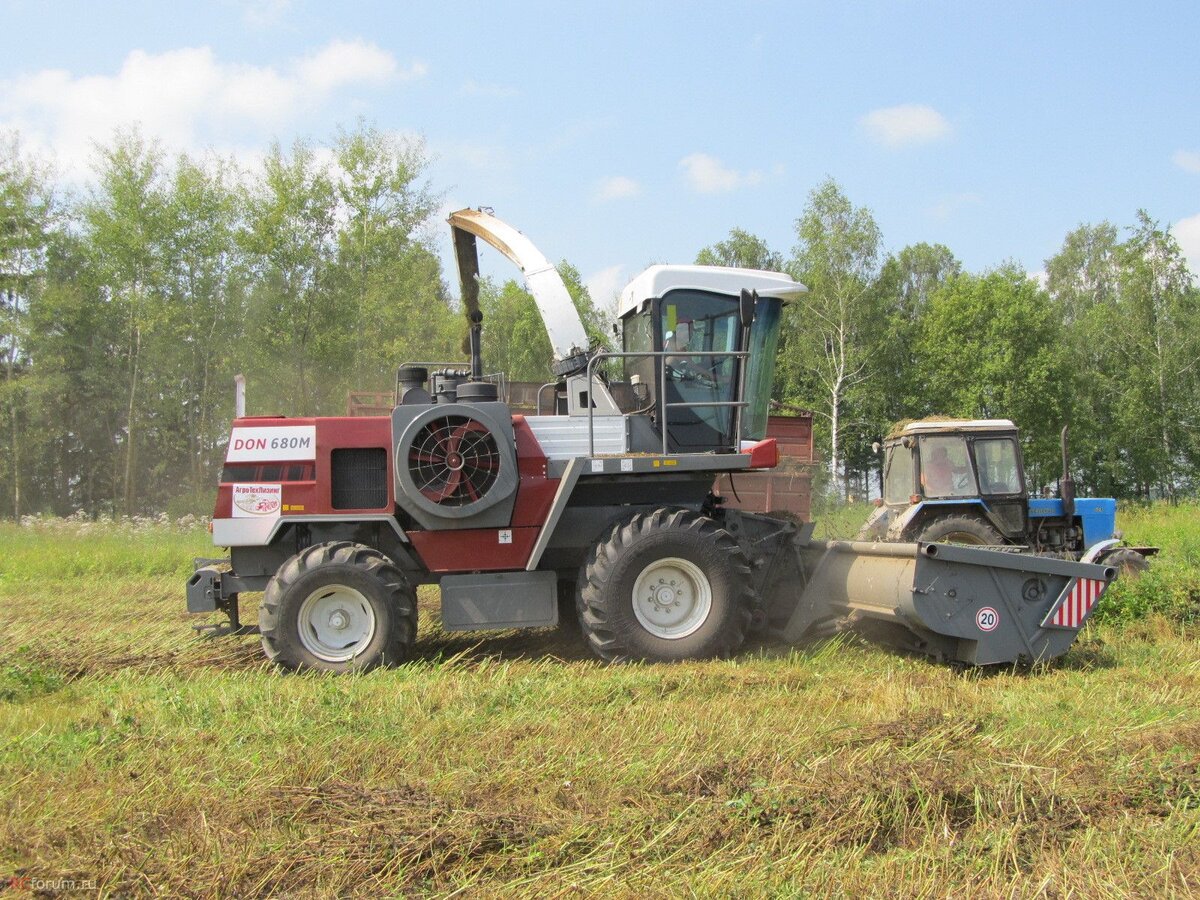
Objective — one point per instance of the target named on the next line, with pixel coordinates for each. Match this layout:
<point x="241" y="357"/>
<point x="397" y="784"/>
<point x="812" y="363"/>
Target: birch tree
<point x="829" y="340"/>
<point x="27" y="210"/>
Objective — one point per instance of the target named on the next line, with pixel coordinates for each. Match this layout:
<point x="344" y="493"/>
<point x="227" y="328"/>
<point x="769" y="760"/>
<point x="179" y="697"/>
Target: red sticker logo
<point x="987" y="619"/>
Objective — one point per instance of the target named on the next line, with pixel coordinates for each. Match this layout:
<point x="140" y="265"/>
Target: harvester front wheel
<point x="667" y="585"/>
<point x="338" y="607"/>
<point x="960" y="530"/>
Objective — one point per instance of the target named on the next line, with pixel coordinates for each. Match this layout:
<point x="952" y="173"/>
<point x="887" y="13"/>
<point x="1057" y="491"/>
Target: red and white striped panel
<point x="1079" y="601"/>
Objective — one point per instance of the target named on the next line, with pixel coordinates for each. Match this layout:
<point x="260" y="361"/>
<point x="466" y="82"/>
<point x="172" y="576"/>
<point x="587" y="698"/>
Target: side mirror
<point x="746" y="304"/>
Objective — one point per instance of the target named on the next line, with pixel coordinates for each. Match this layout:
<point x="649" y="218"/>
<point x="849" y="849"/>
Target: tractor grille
<point x="359" y="478"/>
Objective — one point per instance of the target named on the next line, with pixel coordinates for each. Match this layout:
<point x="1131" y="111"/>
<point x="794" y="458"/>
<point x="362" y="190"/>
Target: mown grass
<point x="154" y="762"/>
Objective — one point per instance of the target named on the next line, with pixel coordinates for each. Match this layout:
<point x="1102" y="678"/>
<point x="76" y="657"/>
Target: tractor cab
<point x="698" y="348"/>
<point x="971" y="470"/>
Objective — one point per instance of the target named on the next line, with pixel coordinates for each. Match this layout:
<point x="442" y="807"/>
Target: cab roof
<point x="657" y="281"/>
<point x="940" y="426"/>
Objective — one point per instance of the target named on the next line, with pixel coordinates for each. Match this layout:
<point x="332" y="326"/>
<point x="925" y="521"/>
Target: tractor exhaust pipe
<point x="1066" y="485"/>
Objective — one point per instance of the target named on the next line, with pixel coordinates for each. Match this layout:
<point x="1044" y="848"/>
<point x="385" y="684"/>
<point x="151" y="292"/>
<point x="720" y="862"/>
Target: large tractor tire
<point x="665" y="586"/>
<point x="1128" y="563"/>
<point x="960" y="529"/>
<point x="338" y="607"/>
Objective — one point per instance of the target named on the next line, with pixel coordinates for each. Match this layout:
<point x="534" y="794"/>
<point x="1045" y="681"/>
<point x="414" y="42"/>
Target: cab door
<point x="1001" y="479"/>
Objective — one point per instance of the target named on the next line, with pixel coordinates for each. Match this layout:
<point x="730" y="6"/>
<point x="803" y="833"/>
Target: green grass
<point x="137" y="755"/>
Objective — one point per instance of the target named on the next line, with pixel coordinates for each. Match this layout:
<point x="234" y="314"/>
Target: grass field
<point x="139" y="759"/>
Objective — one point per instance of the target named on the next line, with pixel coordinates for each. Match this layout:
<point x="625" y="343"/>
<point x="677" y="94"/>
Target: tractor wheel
<point x="667" y="585"/>
<point x="963" y="529"/>
<point x="1128" y="563"/>
<point x="338" y="607"/>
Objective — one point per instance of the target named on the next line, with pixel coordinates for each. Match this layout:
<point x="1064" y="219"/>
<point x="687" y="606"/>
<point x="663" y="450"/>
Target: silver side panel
<point x="260" y="532"/>
<point x="566" y="437"/>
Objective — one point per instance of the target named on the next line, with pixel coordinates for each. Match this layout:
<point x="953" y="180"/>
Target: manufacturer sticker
<point x="597" y="465"/>
<point x="627" y="465"/>
<point x="987" y="619"/>
<point x="257" y="501"/>
<point x="269" y="444"/>
<point x="506" y="536"/>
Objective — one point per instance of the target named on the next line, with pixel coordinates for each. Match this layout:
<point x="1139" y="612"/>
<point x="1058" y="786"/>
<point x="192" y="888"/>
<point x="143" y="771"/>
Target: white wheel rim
<point x="336" y="623"/>
<point x="672" y="598"/>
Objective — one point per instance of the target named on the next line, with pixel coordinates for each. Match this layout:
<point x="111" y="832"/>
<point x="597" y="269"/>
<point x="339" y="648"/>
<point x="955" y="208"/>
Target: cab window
<point x="996" y="461"/>
<point x="945" y="467"/>
<point x="898" y="475"/>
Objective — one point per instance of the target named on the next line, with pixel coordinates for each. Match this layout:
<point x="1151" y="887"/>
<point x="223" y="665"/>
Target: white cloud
<point x="472" y="88"/>
<point x="617" y="188"/>
<point x="187" y="98"/>
<point x="1188" y="160"/>
<point x="905" y="125"/>
<point x="1187" y="233"/>
<point x="1040" y="276"/>
<point x="605" y="287"/>
<point x="350" y="62"/>
<point x="947" y="206"/>
<point x="708" y="175"/>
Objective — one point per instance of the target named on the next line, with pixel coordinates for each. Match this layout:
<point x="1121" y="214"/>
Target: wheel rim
<point x="336" y="623"/>
<point x="672" y="598"/>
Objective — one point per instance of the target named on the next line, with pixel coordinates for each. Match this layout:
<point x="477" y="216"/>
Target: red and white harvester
<point x="603" y="507"/>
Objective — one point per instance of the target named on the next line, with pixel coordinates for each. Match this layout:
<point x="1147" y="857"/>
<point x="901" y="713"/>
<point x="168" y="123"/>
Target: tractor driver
<point x="937" y="475"/>
<point x="680" y="341"/>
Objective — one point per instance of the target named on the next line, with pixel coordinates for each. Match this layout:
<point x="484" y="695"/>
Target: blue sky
<point x="620" y="134"/>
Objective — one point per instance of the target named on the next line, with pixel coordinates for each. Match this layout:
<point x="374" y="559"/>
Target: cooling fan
<point x="453" y="462"/>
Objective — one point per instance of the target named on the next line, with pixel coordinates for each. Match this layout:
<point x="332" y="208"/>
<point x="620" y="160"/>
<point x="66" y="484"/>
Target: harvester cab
<point x="600" y="507"/>
<point x="963" y="481"/>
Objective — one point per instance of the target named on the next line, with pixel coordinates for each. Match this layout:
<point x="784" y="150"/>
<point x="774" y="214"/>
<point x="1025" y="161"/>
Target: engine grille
<point x="359" y="476"/>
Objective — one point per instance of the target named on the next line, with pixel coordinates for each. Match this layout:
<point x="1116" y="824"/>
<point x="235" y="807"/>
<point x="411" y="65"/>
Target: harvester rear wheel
<point x="962" y="529"/>
<point x="338" y="607"/>
<point x="667" y="585"/>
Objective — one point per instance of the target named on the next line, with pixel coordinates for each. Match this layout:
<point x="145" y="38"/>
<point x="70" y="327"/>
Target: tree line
<point x="126" y="308"/>
<point x="1107" y="345"/>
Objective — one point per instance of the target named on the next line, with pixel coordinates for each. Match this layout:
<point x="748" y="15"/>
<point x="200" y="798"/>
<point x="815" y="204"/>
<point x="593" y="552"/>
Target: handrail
<point x="661" y="355"/>
<point x="538" y="402"/>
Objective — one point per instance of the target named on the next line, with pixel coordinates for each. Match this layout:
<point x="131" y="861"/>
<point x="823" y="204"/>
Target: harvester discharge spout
<point x="953" y="602"/>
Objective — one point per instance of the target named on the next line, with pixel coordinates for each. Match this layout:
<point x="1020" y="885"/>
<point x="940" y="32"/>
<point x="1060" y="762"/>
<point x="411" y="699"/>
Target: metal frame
<point x="661" y="403"/>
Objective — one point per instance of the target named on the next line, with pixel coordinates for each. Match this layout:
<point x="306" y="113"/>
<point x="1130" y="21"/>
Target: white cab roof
<point x="659" y="280"/>
<point x="960" y="425"/>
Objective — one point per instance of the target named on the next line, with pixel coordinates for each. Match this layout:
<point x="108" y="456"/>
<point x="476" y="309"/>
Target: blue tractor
<point x="963" y="482"/>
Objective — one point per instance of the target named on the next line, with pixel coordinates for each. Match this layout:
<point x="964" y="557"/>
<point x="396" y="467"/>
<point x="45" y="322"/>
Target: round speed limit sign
<point x="987" y="619"/>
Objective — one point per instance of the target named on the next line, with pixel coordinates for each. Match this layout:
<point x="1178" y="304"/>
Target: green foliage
<point x="988" y="347"/>
<point x="742" y="250"/>
<point x="830" y="334"/>
<point x="514" y="338"/>
<point x="1171" y="587"/>
<point x="1132" y="311"/>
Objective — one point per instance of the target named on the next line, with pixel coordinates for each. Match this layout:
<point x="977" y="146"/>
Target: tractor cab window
<point x="998" y="467"/>
<point x="945" y="467"/>
<point x="898" y="475"/>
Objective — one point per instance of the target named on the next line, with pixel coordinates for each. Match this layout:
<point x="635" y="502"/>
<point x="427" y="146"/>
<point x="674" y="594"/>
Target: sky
<point x="621" y="134"/>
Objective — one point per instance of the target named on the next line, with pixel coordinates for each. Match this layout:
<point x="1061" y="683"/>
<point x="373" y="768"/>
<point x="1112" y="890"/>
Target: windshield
<point x="945" y="467"/>
<point x="760" y="367"/>
<point x="898" y="475"/>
